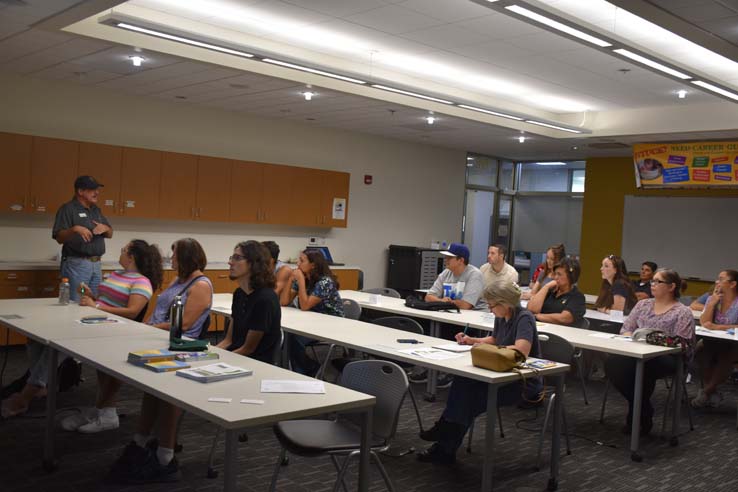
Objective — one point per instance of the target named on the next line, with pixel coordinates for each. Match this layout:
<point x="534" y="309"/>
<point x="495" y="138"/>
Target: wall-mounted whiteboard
<point x="696" y="236"/>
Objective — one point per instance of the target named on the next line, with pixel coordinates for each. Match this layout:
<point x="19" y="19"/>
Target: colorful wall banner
<point x="688" y="165"/>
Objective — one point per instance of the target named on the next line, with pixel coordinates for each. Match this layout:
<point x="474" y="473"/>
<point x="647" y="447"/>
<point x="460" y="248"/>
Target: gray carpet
<point x="705" y="459"/>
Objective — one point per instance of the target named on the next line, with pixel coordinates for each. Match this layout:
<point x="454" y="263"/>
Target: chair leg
<point x="321" y="371"/>
<point x="549" y="407"/>
<point x="469" y="437"/>
<point x="383" y="472"/>
<point x="580" y="371"/>
<point x="212" y="473"/>
<point x="282" y="456"/>
<point x="338" y="470"/>
<point x="415" y="406"/>
<point x="342" y="471"/>
<point x="566" y="430"/>
<point x="604" y="401"/>
<point x="499" y="422"/>
<point x="689" y="407"/>
<point x="667" y="407"/>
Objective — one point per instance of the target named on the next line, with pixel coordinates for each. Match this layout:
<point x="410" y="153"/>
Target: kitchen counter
<point x="113" y="265"/>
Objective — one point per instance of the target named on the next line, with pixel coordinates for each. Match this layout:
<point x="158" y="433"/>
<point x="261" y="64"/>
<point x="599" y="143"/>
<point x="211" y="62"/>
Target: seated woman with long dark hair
<point x="663" y="312"/>
<point x="560" y="302"/>
<point x="616" y="292"/>
<point x="316" y="289"/>
<point x="125" y="293"/>
<point x="514" y="327"/>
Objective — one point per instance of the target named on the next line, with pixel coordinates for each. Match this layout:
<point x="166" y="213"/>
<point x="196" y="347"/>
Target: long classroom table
<point x="579" y="338"/>
<point x="105" y="347"/>
<point x="382" y="341"/>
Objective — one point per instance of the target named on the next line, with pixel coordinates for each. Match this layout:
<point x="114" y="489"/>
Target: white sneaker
<point x="99" y="424"/>
<point x="73" y="422"/>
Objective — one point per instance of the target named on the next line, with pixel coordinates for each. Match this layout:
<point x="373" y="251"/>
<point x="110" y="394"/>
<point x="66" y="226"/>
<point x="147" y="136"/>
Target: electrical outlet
<point x="316" y="241"/>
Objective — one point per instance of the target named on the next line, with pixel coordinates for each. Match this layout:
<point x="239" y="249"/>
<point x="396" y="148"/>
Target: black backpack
<point x="415" y="303"/>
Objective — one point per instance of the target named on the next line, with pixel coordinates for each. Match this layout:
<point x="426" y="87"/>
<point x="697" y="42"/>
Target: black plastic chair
<point x="384" y="291"/>
<point x="342" y="437"/>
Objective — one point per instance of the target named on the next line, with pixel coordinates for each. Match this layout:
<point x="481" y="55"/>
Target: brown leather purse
<point x="494" y="358"/>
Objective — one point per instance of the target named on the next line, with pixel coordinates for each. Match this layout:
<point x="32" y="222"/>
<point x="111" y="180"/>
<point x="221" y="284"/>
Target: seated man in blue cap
<point x="462" y="285"/>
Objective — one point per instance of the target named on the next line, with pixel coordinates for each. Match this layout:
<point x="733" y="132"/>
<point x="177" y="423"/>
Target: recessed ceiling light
<point x="137" y="60"/>
<point x="716" y="89"/>
<point x="430" y="119"/>
<point x="488" y="111"/>
<point x="555" y="127"/>
<point x="558" y="26"/>
<point x="312" y="70"/>
<point x="413" y="94"/>
<point x="308" y="95"/>
<point x="180" y="97"/>
<point x="180" y="39"/>
<point x="651" y="63"/>
<point x="521" y="139"/>
<point x="682" y="94"/>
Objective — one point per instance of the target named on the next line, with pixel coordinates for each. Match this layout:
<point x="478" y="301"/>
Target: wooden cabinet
<point x="24" y="284"/>
<point x="139" y="183"/>
<point x="103" y="162"/>
<point x="304" y="196"/>
<point x="178" y="186"/>
<point x="53" y="171"/>
<point x="276" y="198"/>
<point x="213" y="197"/>
<point x="247" y="192"/>
<point x="334" y="198"/>
<point x="15" y="162"/>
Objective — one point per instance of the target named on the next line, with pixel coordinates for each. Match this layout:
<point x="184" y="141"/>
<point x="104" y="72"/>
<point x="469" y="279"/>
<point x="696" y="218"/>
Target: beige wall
<point x="416" y="196"/>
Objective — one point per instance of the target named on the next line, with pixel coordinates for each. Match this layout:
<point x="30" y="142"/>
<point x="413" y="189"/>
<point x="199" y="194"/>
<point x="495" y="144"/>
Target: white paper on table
<point x="431" y="353"/>
<point x="292" y="386"/>
<point x="488" y="319"/>
<point x="610" y="336"/>
<point x="454" y="347"/>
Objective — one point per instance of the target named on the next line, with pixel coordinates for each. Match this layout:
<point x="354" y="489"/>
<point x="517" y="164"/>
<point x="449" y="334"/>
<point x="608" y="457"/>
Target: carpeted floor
<point x="705" y="459"/>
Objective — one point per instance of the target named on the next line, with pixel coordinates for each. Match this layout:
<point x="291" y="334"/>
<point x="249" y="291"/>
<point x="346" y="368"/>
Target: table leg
<point x="553" y="480"/>
<point x="366" y="432"/>
<point x="229" y="467"/>
<point x="49" y="463"/>
<point x="489" y="438"/>
<point x="677" y="384"/>
<point x="635" y="435"/>
<point x="430" y="386"/>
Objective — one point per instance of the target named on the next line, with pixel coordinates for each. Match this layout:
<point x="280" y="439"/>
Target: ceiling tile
<point x="445" y="36"/>
<point x="445" y="10"/>
<point x="392" y="19"/>
<point x="338" y="8"/>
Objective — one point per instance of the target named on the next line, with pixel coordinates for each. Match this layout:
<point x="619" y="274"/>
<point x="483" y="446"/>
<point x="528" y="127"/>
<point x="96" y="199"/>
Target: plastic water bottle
<point x="64" y="290"/>
<point x="175" y="318"/>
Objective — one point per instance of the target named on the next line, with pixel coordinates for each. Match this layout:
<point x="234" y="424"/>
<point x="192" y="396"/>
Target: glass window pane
<point x="481" y="170"/>
<point x="506" y="175"/>
<point x="577" y="180"/>
<point x="547" y="176"/>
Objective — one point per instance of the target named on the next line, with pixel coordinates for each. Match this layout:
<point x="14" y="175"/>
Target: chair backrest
<point x="400" y="323"/>
<point x="555" y="348"/>
<point x="277" y="351"/>
<point x="584" y="324"/>
<point x="384" y="291"/>
<point x="141" y="314"/>
<point x="384" y="380"/>
<point x="351" y="309"/>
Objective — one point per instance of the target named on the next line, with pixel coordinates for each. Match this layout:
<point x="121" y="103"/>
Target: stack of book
<point x="214" y="372"/>
<point x="157" y="360"/>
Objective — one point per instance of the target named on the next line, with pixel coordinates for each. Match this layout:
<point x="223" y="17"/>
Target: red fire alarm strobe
<point x="367" y="179"/>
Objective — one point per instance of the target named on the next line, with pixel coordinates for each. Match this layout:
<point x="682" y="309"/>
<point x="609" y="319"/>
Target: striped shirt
<point x="120" y="285"/>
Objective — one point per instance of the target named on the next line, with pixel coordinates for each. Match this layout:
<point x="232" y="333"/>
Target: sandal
<point x="13" y="406"/>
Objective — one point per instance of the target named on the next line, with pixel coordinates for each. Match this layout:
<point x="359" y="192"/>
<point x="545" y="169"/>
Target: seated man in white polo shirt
<point x="497" y="270"/>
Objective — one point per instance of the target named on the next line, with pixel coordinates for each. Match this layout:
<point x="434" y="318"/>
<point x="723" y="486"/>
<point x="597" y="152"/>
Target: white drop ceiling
<point x="449" y="48"/>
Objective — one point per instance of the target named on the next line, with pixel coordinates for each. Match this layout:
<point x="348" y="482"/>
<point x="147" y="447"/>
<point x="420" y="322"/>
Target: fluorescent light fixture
<point x="493" y="113"/>
<point x="682" y="94"/>
<point x="308" y="95"/>
<point x="653" y="64"/>
<point x="313" y="70"/>
<point x="555" y="127"/>
<point x="521" y="139"/>
<point x="137" y="60"/>
<point x="551" y="163"/>
<point x="716" y="89"/>
<point x="558" y="26"/>
<point x="180" y="39"/>
<point x="413" y="94"/>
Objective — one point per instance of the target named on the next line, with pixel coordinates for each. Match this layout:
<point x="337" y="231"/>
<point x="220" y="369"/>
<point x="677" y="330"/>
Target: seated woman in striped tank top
<point x="125" y="293"/>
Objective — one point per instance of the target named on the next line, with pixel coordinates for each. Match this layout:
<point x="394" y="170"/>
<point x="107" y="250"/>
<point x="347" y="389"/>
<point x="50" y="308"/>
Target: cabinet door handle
<point x="199" y="211"/>
<point x="192" y="212"/>
<point x="12" y="276"/>
<point x="222" y="276"/>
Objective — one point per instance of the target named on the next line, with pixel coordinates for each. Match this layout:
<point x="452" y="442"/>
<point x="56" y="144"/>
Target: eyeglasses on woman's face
<point x="235" y="257"/>
<point x="657" y="282"/>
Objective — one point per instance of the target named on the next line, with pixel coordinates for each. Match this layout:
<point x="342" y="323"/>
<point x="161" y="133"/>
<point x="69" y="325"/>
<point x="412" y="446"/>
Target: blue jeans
<point x="299" y="359"/>
<point x="79" y="270"/>
<point x="467" y="399"/>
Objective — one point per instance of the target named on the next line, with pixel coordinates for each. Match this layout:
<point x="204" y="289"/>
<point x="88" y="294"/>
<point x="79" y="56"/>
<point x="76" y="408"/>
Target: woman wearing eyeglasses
<point x="560" y="302"/>
<point x="663" y="312"/>
<point x="616" y="292"/>
<point x="717" y="357"/>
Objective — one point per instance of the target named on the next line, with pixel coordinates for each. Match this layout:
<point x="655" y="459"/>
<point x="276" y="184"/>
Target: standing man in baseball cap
<point x="81" y="229"/>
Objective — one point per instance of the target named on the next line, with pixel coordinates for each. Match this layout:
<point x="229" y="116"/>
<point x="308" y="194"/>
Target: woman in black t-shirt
<point x="560" y="301"/>
<point x="616" y="292"/>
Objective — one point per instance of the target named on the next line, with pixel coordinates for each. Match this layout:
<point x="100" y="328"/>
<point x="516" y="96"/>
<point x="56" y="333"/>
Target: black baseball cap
<point x="86" y="183"/>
